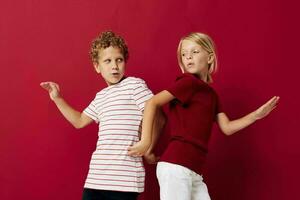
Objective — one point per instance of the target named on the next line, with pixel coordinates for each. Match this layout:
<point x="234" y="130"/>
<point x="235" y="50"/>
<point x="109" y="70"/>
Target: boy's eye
<point x="107" y="61"/>
<point x="183" y="55"/>
<point x="120" y="60"/>
<point x="195" y="51"/>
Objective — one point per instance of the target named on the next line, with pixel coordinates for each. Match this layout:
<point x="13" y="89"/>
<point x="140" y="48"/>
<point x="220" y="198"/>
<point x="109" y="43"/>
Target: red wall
<point x="44" y="157"/>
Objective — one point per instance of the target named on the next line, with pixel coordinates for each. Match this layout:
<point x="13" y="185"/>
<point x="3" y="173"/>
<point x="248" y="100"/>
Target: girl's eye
<point x="196" y="51"/>
<point x="107" y="61"/>
<point x="183" y="55"/>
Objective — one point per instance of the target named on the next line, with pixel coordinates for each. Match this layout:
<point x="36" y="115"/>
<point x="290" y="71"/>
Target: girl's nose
<point x="188" y="57"/>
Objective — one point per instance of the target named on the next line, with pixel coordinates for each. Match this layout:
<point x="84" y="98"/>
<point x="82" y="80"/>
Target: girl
<point x="194" y="106"/>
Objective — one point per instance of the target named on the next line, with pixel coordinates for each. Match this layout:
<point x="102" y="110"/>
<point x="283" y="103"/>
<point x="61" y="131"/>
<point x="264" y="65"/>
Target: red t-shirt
<point x="191" y="117"/>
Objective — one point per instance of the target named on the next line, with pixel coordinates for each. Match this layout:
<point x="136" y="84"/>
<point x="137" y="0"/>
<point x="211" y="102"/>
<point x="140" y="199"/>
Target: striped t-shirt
<point x="119" y="110"/>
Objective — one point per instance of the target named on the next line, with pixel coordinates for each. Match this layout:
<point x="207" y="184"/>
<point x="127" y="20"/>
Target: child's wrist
<point x="57" y="99"/>
<point x="254" y="116"/>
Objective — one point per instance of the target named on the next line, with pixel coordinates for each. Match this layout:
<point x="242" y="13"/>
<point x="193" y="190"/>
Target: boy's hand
<point x="265" y="109"/>
<point x="151" y="158"/>
<point x="139" y="149"/>
<point x="52" y="88"/>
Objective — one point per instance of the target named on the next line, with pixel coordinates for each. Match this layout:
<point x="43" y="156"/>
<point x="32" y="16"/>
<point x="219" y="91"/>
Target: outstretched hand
<point x="265" y="109"/>
<point x="52" y="88"/>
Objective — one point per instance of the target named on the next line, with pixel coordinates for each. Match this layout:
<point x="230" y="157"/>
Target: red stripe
<point x="134" y="161"/>
<point x="117" y="129"/>
<point x="136" y="120"/>
<point x="121" y="110"/>
<point x="119" y="105"/>
<point x="104" y="179"/>
<point x="117" y="165"/>
<point x="146" y="89"/>
<point x="142" y="97"/>
<point x="119" y="139"/>
<point x="112" y="149"/>
<point x="110" y="154"/>
<point x="113" y="185"/>
<point x="98" y="101"/>
<point x="118" y="86"/>
<point x="109" y="134"/>
<point x="120" y="125"/>
<point x="123" y="114"/>
<point x="113" y="144"/>
<point x="119" y="170"/>
<point x="116" y="175"/>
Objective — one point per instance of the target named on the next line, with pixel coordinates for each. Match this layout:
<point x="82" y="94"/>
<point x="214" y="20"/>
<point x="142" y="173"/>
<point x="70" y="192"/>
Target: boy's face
<point x="111" y="65"/>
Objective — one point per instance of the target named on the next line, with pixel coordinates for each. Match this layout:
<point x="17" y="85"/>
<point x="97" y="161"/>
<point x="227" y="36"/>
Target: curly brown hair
<point x="105" y="40"/>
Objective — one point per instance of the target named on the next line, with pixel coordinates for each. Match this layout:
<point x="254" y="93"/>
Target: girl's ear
<point x="97" y="67"/>
<point x="211" y="58"/>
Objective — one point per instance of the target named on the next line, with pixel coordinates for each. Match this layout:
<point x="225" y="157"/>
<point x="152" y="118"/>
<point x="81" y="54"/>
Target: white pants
<point x="180" y="183"/>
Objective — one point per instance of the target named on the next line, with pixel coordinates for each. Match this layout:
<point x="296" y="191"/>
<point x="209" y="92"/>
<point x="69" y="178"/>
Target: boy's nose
<point x="115" y="66"/>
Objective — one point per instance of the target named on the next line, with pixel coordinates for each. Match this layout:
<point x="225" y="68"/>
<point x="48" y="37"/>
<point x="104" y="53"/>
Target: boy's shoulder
<point x="127" y="83"/>
<point x="131" y="80"/>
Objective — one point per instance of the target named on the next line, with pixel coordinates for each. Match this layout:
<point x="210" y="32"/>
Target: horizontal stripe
<point x="117" y="175"/>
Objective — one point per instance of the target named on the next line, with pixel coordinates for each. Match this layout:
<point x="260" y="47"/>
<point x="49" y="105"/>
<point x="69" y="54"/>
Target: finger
<point x="54" y="86"/>
<point x="271" y="101"/>
<point x="57" y="86"/>
<point x="134" y="154"/>
<point x="45" y="86"/>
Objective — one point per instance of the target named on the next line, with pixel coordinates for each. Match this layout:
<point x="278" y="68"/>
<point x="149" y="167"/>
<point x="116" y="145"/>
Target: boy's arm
<point x="230" y="127"/>
<point x="151" y="106"/>
<point x="77" y="119"/>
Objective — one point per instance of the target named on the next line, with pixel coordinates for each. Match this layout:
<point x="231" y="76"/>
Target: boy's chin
<point x="113" y="81"/>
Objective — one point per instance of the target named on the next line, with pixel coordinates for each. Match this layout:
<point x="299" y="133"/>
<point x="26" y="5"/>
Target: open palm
<point x="52" y="88"/>
<point x="265" y="109"/>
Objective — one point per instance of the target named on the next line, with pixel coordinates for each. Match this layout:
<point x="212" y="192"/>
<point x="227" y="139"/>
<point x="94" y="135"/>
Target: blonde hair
<point x="207" y="44"/>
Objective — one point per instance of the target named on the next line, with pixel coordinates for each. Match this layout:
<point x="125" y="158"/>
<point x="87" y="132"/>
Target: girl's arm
<point x="230" y="127"/>
<point x="158" y="124"/>
<point x="77" y="119"/>
<point x="150" y="111"/>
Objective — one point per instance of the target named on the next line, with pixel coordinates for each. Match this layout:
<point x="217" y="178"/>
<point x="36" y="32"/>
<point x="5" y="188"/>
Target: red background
<point x="43" y="157"/>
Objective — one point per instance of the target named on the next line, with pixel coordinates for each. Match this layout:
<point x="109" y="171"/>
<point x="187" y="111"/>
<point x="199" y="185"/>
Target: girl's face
<point x="194" y="58"/>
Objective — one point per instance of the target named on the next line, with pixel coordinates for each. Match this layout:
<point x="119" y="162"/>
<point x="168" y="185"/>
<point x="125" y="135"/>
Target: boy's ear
<point x="211" y="58"/>
<point x="97" y="67"/>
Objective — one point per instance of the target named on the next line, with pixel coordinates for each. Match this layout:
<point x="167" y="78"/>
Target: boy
<point x="118" y="108"/>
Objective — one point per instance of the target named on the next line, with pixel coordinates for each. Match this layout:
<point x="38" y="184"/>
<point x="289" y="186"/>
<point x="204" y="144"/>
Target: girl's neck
<point x="203" y="77"/>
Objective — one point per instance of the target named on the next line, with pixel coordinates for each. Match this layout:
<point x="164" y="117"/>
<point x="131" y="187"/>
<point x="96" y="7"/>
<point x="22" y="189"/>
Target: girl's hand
<point x="151" y="158"/>
<point x="265" y="109"/>
<point x="52" y="88"/>
<point x="139" y="149"/>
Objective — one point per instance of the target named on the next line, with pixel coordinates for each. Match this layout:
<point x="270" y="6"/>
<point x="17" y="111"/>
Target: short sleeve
<point x="184" y="88"/>
<point x="219" y="108"/>
<point x="92" y="112"/>
<point x="141" y="93"/>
